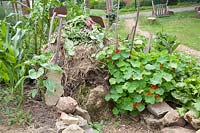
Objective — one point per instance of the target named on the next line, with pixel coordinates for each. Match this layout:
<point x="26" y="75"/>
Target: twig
<point x="50" y="30"/>
<point x="148" y="47"/>
<point x="136" y="24"/>
<point x="116" y="27"/>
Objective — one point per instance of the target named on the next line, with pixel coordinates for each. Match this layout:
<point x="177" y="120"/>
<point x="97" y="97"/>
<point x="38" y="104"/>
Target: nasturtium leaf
<point x="36" y="74"/>
<point x="115" y="111"/>
<point x="197" y="106"/>
<point x="159" y="100"/>
<point x="114" y="95"/>
<point x="123" y="69"/>
<point x="116" y="56"/>
<point x="150" y="99"/>
<point x="131" y="86"/>
<point x="150" y="67"/>
<point x="121" y="63"/>
<point x="125" y="54"/>
<point x="181" y="96"/>
<point x="181" y="84"/>
<point x="109" y="51"/>
<point x="160" y="91"/>
<point x="137" y="98"/>
<point x="140" y="107"/>
<point x="134" y="63"/>
<point x="162" y="59"/>
<point x="107" y="97"/>
<point x="173" y="65"/>
<point x="168" y="77"/>
<point x="157" y="79"/>
<point x="127" y="104"/>
<point x="112" y="81"/>
<point x="119" y="79"/>
<point x="50" y="85"/>
<point x="137" y="76"/>
<point x="101" y="55"/>
<point x="181" y="111"/>
<point x="119" y="88"/>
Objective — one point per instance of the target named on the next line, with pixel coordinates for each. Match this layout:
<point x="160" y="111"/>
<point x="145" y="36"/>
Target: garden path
<point x="149" y="13"/>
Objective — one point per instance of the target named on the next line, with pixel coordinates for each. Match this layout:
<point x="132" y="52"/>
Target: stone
<point x="81" y="121"/>
<point x="159" y="109"/>
<point x="52" y="99"/>
<point x="68" y="120"/>
<point x="195" y="122"/>
<point x="172" y="118"/>
<point x="153" y="123"/>
<point x="176" y="129"/>
<point x="90" y="130"/>
<point x="73" y="129"/>
<point x="96" y="98"/>
<point x="67" y="104"/>
<point x="83" y="113"/>
<point x="60" y="126"/>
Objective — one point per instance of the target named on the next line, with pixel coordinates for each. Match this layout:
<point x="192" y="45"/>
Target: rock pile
<point x="168" y="119"/>
<point x="73" y="119"/>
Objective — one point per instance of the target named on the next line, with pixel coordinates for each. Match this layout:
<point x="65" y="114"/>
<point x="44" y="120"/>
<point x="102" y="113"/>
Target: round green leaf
<point x="36" y="74"/>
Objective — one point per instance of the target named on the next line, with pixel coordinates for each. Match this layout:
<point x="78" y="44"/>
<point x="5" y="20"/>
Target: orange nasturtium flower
<point x="157" y="96"/>
<point x="117" y="51"/>
<point x="135" y="104"/>
<point x="154" y="87"/>
<point x="148" y="94"/>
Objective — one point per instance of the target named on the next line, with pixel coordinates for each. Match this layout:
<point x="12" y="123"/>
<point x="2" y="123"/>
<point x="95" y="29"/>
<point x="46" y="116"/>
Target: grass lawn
<point x="100" y="12"/>
<point x="184" y="25"/>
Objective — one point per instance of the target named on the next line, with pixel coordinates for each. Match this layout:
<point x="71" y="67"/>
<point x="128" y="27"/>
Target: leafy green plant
<point x="140" y="79"/>
<point x="167" y="42"/>
<point x="188" y="86"/>
<point x="44" y="85"/>
<point x="11" y="55"/>
<point x="98" y="127"/>
<point x="82" y="30"/>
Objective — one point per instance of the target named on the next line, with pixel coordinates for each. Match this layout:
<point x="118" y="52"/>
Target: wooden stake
<point x="135" y="28"/>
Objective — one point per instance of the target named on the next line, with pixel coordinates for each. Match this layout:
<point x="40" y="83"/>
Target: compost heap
<point x="81" y="39"/>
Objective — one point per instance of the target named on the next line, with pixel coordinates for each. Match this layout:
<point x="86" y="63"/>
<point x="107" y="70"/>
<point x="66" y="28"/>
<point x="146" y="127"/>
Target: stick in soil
<point x="148" y="46"/>
<point x="58" y="41"/>
<point x="135" y="27"/>
<point x="50" y="30"/>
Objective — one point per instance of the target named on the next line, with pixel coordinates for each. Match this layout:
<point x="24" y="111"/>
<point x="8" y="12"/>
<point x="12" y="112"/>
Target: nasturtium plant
<point x="139" y="79"/>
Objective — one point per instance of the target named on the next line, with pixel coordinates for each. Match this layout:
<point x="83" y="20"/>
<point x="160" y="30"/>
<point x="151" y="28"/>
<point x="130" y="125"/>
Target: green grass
<point x="100" y="12"/>
<point x="97" y="12"/>
<point x="184" y="25"/>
